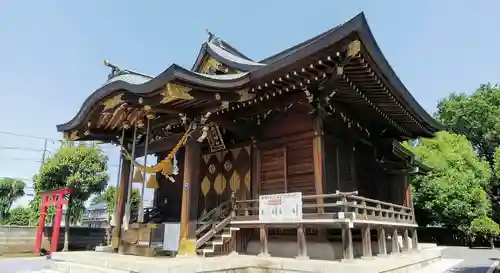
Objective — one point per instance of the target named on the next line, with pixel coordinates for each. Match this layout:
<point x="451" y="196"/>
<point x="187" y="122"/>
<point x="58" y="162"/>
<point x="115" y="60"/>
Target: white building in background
<point x="94" y="216"/>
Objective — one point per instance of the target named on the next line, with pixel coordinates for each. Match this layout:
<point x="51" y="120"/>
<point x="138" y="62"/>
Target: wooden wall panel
<point x="331" y="164"/>
<point x="366" y="166"/>
<point x="347" y="171"/>
<point x="296" y="120"/>
<point x="272" y="171"/>
<point x="300" y="167"/>
<point x="288" y="169"/>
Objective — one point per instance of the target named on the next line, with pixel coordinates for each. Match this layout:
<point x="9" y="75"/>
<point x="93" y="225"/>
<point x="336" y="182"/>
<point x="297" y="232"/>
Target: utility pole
<point x="44" y="152"/>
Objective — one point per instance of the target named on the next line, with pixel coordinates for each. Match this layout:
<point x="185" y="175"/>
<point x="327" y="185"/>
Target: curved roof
<point x="138" y="85"/>
<point x="356" y="28"/>
<point x="230" y="59"/>
<point x="225" y="54"/>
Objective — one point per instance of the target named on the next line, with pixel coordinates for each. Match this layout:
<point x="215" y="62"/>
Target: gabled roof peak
<point x="117" y="71"/>
<point x="217" y="41"/>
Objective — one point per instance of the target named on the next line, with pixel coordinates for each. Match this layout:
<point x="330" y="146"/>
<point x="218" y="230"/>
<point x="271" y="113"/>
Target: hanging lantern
<point x="152" y="182"/>
<point x="138" y="177"/>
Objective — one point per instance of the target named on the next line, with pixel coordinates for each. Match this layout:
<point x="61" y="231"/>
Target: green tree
<point x="453" y="194"/>
<point x="109" y="197"/>
<point x="10" y="190"/>
<point x="477" y="116"/>
<point x="18" y="217"/>
<point x="484" y="228"/>
<point x="77" y="166"/>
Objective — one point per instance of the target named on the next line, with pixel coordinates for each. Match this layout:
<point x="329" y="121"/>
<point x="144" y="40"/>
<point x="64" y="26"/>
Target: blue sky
<point x="52" y="52"/>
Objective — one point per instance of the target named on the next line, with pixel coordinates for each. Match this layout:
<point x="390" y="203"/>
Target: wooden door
<point x="289" y="168"/>
<point x="222" y="173"/>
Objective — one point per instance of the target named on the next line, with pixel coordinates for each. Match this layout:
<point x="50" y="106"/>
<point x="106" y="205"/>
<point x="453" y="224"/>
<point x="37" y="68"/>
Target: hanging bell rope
<point x="165" y="166"/>
<point x="152" y="182"/>
<point x="138" y="176"/>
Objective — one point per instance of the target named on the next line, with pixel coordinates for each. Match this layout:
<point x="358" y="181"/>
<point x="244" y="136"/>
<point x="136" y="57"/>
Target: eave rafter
<point x="318" y="72"/>
<point x="354" y="88"/>
<point x="361" y="72"/>
<point x="124" y="109"/>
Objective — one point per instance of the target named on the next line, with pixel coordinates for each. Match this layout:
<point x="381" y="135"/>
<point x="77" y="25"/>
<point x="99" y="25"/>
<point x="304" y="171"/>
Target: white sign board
<point x="280" y="207"/>
<point x="171" y="237"/>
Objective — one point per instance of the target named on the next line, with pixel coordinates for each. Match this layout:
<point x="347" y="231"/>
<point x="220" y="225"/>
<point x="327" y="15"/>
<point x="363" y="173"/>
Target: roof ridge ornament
<point x="115" y="70"/>
<point x="214" y="39"/>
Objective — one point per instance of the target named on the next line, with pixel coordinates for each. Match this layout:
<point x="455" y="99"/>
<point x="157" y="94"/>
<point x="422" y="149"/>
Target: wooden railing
<point x="334" y="206"/>
<point x="214" y="221"/>
<point x="210" y="218"/>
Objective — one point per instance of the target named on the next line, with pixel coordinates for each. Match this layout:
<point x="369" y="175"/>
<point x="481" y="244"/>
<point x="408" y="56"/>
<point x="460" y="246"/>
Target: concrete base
<point x="317" y="250"/>
<point x="99" y="262"/>
<point x="104" y="249"/>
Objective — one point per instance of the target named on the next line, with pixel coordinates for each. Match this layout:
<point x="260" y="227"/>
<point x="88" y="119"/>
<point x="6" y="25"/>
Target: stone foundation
<point x="94" y="262"/>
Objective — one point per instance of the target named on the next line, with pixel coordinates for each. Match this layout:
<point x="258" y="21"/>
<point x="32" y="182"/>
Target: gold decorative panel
<point x="247" y="180"/>
<point x="225" y="171"/>
<point x="175" y="91"/>
<point x="205" y="186"/>
<point x="220" y="184"/>
<point x="234" y="183"/>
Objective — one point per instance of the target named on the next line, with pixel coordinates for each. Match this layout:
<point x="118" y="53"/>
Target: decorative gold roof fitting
<point x="354" y="48"/>
<point x="174" y="91"/>
<point x="210" y="65"/>
<point x="71" y="136"/>
<point x="112" y="102"/>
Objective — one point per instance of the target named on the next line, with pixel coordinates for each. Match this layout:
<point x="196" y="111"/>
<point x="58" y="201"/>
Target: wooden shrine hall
<point x="323" y="118"/>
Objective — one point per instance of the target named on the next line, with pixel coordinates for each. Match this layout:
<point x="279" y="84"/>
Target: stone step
<point x="69" y="267"/>
<point x="214" y="243"/>
<point x="222" y="235"/>
<point x="45" y="271"/>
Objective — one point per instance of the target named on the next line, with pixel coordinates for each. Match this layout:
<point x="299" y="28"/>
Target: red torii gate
<point x="51" y="198"/>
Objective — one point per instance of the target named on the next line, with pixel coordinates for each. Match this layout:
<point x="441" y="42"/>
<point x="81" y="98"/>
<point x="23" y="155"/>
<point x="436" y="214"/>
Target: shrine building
<point x="324" y="118"/>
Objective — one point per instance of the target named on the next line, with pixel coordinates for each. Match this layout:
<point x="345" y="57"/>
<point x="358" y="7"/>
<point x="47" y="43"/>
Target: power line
<point x="21" y="159"/>
<point x="28" y="136"/>
<point x="21" y="149"/>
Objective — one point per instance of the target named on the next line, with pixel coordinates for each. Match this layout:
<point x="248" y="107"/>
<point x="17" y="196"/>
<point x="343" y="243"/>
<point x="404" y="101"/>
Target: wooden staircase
<point x="216" y="243"/>
<point x="214" y="231"/>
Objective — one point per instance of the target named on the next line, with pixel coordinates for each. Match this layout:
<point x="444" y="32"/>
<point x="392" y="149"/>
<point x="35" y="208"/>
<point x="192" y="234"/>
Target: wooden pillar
<point x="264" y="251"/>
<point x="120" y="204"/>
<point x="414" y="239"/>
<point x="233" y="242"/>
<point x="366" y="242"/>
<point x="347" y="247"/>
<point x="382" y="247"/>
<point x="190" y="192"/>
<point x="255" y="175"/>
<point x="394" y="241"/>
<point x="301" y="243"/>
<point x="319" y="162"/>
<point x="406" y="240"/>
